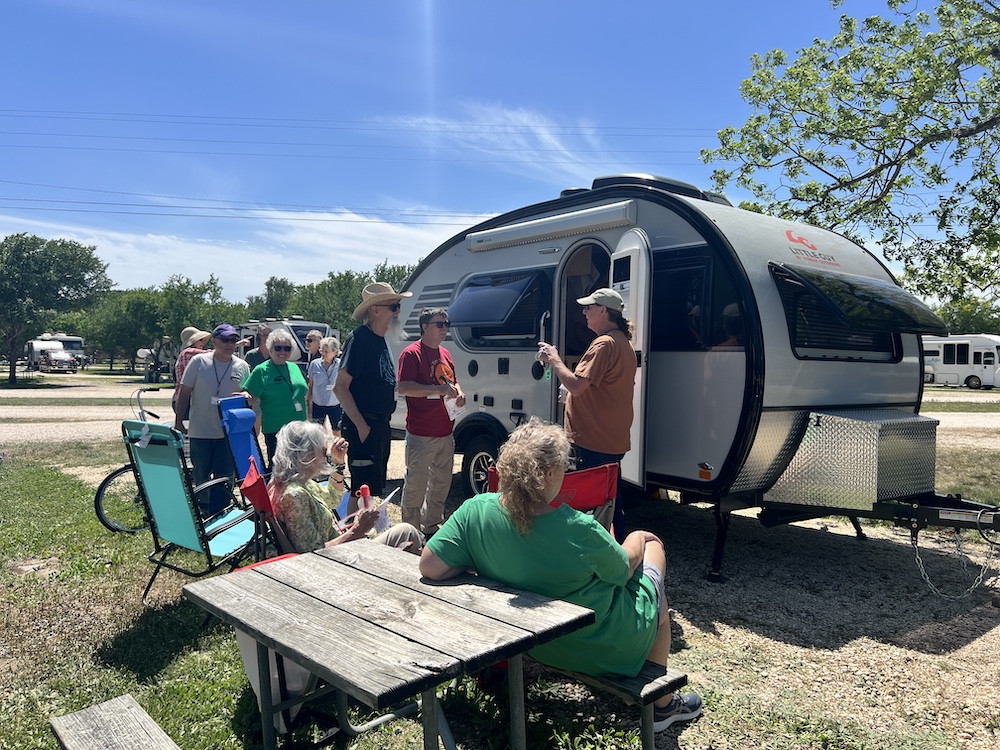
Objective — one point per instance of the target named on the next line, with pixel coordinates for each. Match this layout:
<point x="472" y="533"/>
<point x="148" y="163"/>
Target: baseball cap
<point x="605" y="297"/>
<point x="224" y="330"/>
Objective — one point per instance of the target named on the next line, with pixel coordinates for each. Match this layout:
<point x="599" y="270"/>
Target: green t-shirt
<point x="279" y="389"/>
<point x="566" y="555"/>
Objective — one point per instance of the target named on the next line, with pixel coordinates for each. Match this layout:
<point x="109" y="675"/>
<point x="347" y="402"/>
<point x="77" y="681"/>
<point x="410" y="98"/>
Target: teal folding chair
<point x="164" y="481"/>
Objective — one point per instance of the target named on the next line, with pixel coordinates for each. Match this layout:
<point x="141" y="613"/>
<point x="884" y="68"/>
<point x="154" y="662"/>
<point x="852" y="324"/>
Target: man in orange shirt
<point x="599" y="401"/>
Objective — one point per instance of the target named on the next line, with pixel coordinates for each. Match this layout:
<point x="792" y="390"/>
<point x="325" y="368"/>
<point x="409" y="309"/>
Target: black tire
<point x="118" y="504"/>
<point x="974" y="383"/>
<point x="480" y="454"/>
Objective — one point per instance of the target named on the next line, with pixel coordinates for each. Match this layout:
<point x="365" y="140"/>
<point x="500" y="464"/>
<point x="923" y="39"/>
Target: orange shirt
<point x="599" y="417"/>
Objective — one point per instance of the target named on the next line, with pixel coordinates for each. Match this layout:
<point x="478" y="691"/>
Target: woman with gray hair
<point x="279" y="388"/>
<point x="518" y="537"/>
<point x="322" y="401"/>
<point x="305" y="508"/>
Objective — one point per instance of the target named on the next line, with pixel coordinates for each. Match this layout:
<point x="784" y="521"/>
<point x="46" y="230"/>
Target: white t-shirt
<point x="210" y="381"/>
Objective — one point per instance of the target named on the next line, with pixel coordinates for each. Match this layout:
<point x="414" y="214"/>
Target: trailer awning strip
<point x="864" y="303"/>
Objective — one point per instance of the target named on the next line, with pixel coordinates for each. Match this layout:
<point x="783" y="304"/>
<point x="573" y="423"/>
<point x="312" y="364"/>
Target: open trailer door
<point x="630" y="277"/>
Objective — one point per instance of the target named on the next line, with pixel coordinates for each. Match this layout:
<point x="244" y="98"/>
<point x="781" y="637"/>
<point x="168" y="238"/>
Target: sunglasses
<point x="281" y="348"/>
<point x="311" y="341"/>
<point x="231" y="340"/>
<point x="394" y="306"/>
<point x="440" y="323"/>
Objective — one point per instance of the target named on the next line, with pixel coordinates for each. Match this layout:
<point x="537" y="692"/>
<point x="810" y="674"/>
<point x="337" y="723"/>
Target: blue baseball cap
<point x="223" y="331"/>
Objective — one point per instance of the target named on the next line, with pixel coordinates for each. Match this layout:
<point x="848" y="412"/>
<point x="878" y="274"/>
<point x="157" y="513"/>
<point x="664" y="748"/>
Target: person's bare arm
<point x="434" y="568"/>
<point x="635" y="547"/>
<point x="342" y="390"/>
<point x="547" y="354"/>
<point x="419" y="390"/>
<point x="183" y="402"/>
<point x="309" y="400"/>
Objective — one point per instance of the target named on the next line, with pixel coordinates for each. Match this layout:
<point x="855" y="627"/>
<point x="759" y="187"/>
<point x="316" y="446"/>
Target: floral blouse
<point x="305" y="512"/>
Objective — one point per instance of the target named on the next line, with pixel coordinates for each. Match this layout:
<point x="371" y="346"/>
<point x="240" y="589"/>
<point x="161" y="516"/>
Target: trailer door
<point x="630" y="276"/>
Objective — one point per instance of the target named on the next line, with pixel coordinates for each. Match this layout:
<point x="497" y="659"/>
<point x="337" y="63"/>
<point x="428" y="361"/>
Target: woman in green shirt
<point x="279" y="387"/>
<point x="517" y="537"/>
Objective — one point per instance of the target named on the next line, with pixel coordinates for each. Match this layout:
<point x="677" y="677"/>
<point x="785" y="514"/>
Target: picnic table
<point x="360" y="617"/>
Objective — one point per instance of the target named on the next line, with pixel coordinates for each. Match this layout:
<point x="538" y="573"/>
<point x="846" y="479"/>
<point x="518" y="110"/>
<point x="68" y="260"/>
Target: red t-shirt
<point x="426" y="417"/>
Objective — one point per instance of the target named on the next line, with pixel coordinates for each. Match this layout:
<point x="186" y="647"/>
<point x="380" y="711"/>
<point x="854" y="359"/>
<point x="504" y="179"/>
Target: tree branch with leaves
<point x="889" y="131"/>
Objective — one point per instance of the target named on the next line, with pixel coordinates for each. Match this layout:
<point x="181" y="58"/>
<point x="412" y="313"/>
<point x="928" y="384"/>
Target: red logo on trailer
<point x="799" y="240"/>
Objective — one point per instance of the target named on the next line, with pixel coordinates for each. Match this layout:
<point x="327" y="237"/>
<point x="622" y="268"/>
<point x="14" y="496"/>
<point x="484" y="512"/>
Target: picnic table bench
<point x="360" y="617"/>
<point x="117" y="724"/>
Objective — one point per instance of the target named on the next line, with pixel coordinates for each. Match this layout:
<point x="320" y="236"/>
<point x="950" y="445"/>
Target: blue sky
<point x="250" y="139"/>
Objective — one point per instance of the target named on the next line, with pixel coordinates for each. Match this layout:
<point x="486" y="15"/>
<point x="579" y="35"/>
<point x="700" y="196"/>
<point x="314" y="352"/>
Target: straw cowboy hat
<point x="191" y="334"/>
<point x="378" y="293"/>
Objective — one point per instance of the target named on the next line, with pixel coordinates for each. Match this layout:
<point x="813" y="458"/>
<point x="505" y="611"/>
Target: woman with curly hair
<point x="517" y="537"/>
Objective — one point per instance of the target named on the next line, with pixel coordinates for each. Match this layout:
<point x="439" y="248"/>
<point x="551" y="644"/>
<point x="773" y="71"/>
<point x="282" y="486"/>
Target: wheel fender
<point x="475" y="425"/>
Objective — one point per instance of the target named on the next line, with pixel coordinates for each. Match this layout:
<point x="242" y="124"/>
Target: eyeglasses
<point x="311" y="341"/>
<point x="394" y="307"/>
<point x="281" y="348"/>
<point x="440" y="323"/>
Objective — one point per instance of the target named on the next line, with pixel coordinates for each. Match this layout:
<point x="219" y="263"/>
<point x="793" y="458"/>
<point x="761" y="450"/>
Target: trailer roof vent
<point x="572" y="191"/>
<point x="648" y="180"/>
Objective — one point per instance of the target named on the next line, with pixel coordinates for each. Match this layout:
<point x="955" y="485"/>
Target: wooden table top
<point x="360" y="616"/>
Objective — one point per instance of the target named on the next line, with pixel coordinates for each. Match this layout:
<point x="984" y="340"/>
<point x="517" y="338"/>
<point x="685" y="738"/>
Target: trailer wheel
<point x="974" y="383"/>
<point x="479" y="456"/>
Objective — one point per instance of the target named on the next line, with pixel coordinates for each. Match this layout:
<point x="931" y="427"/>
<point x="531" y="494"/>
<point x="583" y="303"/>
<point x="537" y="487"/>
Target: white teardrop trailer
<point x="779" y="364"/>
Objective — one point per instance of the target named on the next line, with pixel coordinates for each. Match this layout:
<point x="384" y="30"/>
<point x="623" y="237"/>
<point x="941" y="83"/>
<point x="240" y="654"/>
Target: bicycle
<point x="117" y="502"/>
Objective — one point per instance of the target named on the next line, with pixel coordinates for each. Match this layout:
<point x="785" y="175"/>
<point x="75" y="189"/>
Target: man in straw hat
<point x="366" y="387"/>
<point x="193" y="342"/>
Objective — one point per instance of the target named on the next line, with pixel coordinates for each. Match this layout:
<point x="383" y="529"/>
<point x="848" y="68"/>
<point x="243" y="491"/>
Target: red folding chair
<point x="254" y="488"/>
<point x="591" y="491"/>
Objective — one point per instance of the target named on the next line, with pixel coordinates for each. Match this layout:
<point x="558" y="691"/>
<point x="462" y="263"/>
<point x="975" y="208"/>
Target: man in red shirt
<point x="427" y="380"/>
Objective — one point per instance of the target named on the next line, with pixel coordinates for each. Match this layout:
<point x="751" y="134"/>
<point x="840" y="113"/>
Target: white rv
<point x="779" y="364"/>
<point x="297" y="327"/>
<point x="969" y="359"/>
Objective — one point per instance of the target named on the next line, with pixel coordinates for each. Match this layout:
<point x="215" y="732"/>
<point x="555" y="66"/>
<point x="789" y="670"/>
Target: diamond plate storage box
<point x="850" y="459"/>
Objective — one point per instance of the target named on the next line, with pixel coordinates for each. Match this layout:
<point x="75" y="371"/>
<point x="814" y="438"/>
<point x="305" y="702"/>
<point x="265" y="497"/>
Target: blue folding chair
<point x="238" y="421"/>
<point x="165" y="487"/>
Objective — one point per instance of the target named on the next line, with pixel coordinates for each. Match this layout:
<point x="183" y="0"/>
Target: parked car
<point x="57" y="360"/>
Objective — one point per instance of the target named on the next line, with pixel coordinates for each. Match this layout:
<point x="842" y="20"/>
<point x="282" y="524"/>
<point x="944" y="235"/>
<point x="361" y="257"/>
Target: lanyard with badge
<point x="218" y="380"/>
<point x="288" y="381"/>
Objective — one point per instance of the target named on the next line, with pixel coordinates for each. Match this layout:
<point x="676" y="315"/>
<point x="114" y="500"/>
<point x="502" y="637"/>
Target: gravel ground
<point x="811" y="621"/>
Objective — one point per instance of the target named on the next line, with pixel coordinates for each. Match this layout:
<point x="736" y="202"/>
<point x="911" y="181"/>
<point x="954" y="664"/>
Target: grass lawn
<point x="803" y="647"/>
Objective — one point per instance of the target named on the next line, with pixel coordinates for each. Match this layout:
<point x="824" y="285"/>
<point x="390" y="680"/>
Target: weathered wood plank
<point x="371" y="664"/>
<point x="546" y="618"/>
<point x="117" y="724"/>
<point x="654" y="681"/>
<point x="474" y="638"/>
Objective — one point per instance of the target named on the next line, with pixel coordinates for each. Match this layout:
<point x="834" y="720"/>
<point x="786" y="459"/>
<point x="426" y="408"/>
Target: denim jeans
<point x="211" y="459"/>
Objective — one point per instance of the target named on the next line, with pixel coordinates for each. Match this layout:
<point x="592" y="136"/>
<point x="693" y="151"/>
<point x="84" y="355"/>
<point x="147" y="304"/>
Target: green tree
<point x="889" y="130"/>
<point x="124" y="322"/>
<point x="276" y="301"/>
<point x="40" y="278"/>
<point x="972" y="315"/>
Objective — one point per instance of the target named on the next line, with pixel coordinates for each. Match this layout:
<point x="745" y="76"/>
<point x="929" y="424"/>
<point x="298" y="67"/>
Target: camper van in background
<point x="970" y="359"/>
<point x="34" y="350"/>
<point x="780" y="364"/>
<point x="296" y="326"/>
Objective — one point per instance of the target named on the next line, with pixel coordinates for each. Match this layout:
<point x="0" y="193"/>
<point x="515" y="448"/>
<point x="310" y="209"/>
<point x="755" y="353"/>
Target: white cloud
<point x="276" y="245"/>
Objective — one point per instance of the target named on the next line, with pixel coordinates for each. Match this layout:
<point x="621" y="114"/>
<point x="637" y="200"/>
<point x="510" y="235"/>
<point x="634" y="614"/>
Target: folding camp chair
<point x="157" y="455"/>
<point x="591" y="491"/>
<point x="238" y="421"/>
<point x="254" y="489"/>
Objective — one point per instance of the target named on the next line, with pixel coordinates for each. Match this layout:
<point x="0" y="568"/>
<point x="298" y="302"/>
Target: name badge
<point x="330" y="387"/>
<point x="298" y="406"/>
<point x="216" y="400"/>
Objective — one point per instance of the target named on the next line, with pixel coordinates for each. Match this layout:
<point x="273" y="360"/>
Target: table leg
<point x="515" y="689"/>
<point x="429" y="708"/>
<point x="266" y="699"/>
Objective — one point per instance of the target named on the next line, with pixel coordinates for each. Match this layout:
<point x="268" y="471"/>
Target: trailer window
<point x="817" y="332"/>
<point x="932" y="353"/>
<point x="502" y="310"/>
<point x="862" y="303"/>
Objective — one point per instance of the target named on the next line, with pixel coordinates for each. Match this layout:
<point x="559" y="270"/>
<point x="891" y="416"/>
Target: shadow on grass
<point x="156" y="639"/>
<point x="809" y="587"/>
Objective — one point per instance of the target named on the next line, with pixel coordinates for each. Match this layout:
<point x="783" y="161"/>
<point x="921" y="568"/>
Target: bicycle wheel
<point x="118" y="504"/>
